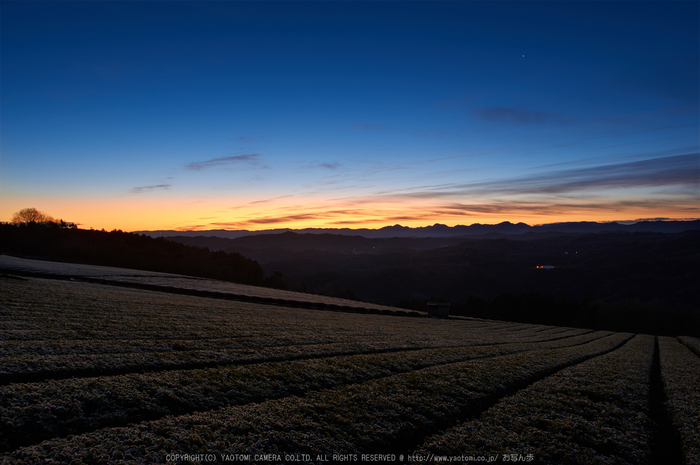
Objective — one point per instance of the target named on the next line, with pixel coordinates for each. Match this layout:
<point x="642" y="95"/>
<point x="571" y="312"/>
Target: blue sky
<point x="257" y="115"/>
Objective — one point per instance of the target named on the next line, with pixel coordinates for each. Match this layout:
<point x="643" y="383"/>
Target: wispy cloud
<point x="257" y="202"/>
<point x="665" y="171"/>
<point x="680" y="170"/>
<point x="193" y="227"/>
<point x="329" y="165"/>
<point x="653" y="187"/>
<point x="272" y="220"/>
<point x="251" y="159"/>
<point x="519" y="116"/>
<point x="142" y="189"/>
<point x="505" y="209"/>
<point x="421" y="213"/>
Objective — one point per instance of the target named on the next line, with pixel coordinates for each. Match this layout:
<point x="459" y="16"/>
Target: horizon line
<point x="621" y="222"/>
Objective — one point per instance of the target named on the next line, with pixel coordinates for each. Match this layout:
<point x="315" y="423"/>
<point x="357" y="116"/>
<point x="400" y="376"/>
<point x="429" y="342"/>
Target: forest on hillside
<point x="58" y="242"/>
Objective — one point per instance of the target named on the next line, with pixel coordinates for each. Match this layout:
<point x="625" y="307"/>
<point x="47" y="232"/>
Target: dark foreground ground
<point x="96" y="373"/>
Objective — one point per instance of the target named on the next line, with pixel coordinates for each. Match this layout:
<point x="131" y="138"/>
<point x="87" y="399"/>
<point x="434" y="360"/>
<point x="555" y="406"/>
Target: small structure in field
<point x="438" y="309"/>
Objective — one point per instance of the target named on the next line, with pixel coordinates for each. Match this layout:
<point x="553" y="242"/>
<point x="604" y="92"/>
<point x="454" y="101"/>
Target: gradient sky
<point x="260" y="115"/>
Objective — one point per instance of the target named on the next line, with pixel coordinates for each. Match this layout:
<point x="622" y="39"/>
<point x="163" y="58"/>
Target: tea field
<point x="95" y="373"/>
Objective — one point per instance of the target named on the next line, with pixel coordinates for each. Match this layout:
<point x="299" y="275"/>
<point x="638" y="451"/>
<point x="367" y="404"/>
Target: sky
<point x="190" y="115"/>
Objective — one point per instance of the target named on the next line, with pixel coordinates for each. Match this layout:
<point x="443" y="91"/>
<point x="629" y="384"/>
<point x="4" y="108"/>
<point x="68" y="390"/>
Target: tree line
<point x="42" y="237"/>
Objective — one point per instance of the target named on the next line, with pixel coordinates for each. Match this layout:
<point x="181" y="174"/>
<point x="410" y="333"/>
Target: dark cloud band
<point x="251" y="159"/>
<point x="142" y="189"/>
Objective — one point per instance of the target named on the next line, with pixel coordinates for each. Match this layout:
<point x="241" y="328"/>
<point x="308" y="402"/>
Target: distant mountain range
<point x="441" y="231"/>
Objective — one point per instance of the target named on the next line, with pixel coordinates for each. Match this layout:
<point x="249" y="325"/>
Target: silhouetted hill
<point x="127" y="250"/>
<point x="603" y="266"/>
<point x="609" y="266"/>
<point x="271" y="245"/>
<point x="626" y="281"/>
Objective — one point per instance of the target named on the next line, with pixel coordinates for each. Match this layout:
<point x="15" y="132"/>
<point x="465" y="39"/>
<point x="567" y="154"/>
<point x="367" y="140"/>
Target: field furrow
<point x="379" y="415"/>
<point x="32" y="412"/>
<point x="594" y="412"/>
<point x="61" y="329"/>
<point x="51" y="334"/>
<point x="95" y="373"/>
<point x="680" y="371"/>
<point x="692" y="343"/>
<point x="39" y="310"/>
<point x="48" y="346"/>
<point x="27" y="368"/>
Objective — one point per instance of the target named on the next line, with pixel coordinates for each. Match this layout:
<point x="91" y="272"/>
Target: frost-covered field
<point x="99" y="374"/>
<point x="166" y="280"/>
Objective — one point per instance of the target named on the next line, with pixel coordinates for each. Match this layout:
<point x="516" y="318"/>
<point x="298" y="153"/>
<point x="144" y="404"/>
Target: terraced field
<point x="92" y="373"/>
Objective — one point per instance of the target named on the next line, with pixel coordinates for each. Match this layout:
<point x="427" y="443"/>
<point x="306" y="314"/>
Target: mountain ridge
<point x="438" y="230"/>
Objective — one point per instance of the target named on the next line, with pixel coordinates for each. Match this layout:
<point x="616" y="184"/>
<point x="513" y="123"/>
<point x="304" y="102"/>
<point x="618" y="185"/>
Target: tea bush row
<point x="692" y="343"/>
<point x="369" y="417"/>
<point x="680" y="370"/>
<point x="41" y="312"/>
<point x="594" y="412"/>
<point x="31" y="412"/>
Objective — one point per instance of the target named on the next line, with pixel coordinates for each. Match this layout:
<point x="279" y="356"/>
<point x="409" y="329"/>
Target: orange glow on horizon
<point x="139" y="214"/>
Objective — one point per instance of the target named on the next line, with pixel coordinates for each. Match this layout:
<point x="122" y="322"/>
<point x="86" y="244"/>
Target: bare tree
<point x="31" y="215"/>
